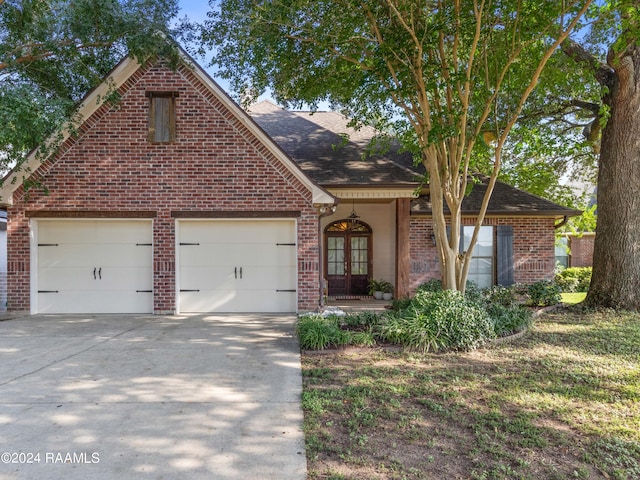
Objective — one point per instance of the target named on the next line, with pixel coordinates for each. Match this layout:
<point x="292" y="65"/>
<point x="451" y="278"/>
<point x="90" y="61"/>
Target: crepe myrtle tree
<point x="52" y="52"/>
<point x="451" y="76"/>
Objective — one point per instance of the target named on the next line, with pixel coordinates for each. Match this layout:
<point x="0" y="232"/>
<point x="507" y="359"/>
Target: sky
<point x="197" y="10"/>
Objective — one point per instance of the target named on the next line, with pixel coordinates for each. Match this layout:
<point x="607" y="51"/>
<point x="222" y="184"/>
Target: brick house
<point x="576" y="250"/>
<point x="175" y="200"/>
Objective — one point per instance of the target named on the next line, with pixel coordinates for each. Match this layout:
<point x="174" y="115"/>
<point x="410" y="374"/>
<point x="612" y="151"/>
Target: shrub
<point x="316" y="332"/>
<point x="430" y="286"/>
<point x="543" y="293"/>
<point x="400" y="303"/>
<point x="500" y="295"/>
<point x="439" y="320"/>
<point x="361" y="320"/>
<point x="574" y="279"/>
<point x="509" y="319"/>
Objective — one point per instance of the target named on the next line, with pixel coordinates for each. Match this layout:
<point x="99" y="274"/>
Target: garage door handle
<point x="240" y="273"/>
<point x="94" y="273"/>
<point x="100" y="273"/>
<point x="235" y="272"/>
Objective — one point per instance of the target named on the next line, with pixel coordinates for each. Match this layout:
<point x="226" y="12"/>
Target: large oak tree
<point x="616" y="260"/>
<point x="452" y="76"/>
<point x="587" y="107"/>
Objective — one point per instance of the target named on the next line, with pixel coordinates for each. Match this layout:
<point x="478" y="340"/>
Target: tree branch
<point x="602" y="72"/>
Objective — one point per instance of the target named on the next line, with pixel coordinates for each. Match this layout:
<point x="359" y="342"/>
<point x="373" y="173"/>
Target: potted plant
<point x="387" y="291"/>
<point x="375" y="288"/>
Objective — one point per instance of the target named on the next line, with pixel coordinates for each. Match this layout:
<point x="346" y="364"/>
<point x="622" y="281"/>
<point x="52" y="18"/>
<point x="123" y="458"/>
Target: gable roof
<point x="116" y="79"/>
<point x="505" y="201"/>
<point x="332" y="152"/>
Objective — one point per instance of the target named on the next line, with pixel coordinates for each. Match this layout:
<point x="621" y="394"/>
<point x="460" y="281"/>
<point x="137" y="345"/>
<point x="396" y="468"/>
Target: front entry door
<point x="348" y="257"/>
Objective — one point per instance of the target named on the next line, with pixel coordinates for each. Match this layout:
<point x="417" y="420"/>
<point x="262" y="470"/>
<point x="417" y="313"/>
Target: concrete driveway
<point x="137" y="397"/>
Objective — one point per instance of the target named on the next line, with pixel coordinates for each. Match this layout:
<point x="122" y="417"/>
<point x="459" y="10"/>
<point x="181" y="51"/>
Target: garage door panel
<point x="234" y="301"/>
<point x="211" y="255"/>
<point x="93" y="231"/>
<point x="232" y="231"/>
<point x="83" y="255"/>
<point x="114" y="232"/>
<point x="248" y="265"/>
<point x="125" y="278"/>
<point x="204" y="277"/>
<point x="76" y="301"/>
<point x="95" y="266"/>
<point x="66" y="232"/>
<point x="66" y="255"/>
<point x="275" y="278"/>
<point x="70" y="278"/>
<point x="236" y="255"/>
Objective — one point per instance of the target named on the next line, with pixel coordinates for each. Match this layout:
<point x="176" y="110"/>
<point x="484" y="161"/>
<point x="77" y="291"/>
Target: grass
<point x="563" y="401"/>
<point x="573" y="298"/>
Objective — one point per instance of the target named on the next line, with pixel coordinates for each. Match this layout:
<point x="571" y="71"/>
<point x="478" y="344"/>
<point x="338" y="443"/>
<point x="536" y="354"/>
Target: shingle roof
<point x="505" y="200"/>
<point x="315" y="142"/>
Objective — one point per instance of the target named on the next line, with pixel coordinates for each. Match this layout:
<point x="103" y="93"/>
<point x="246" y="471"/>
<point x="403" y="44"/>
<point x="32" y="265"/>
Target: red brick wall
<point x="216" y="164"/>
<point x="533" y="248"/>
<point x="581" y="249"/>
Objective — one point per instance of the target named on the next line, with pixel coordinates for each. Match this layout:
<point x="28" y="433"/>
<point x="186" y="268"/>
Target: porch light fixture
<point x="353" y="218"/>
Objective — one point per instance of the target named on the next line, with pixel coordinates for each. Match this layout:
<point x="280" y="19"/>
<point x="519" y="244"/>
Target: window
<point x="481" y="268"/>
<point x="162" y="116"/>
<point x="562" y="252"/>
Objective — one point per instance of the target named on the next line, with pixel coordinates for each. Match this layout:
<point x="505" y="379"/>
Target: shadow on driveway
<point x="135" y="397"/>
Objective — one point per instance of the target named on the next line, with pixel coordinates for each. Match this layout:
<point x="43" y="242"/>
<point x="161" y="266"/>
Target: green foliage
<point x="497" y="294"/>
<point x="317" y="333"/>
<point x="52" y="53"/>
<point x="439" y="73"/>
<point x="439" y="320"/>
<point x="583" y="223"/>
<point x="543" y="293"/>
<point x="430" y="286"/>
<point x="434" y="320"/>
<point x="509" y="319"/>
<point x="574" y="279"/>
<point x="379" y="286"/>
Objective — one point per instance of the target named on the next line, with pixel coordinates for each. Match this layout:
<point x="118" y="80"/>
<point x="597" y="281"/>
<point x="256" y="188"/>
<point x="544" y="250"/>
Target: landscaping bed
<point x="562" y="401"/>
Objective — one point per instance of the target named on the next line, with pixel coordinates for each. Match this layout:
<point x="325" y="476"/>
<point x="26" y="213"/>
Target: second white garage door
<point x="237" y="266"/>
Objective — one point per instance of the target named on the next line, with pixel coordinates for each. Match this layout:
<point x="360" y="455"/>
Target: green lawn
<point x="573" y="298"/>
<point x="562" y="401"/>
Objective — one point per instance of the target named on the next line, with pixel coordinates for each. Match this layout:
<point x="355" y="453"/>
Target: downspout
<point x="325" y="211"/>
<point x="562" y="223"/>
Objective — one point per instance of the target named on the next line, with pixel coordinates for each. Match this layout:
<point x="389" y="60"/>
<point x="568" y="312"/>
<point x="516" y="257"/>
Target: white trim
<point x="373" y="193"/>
<point x="33" y="273"/>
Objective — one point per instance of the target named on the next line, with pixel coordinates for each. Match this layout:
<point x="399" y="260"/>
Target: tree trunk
<point x="616" y="257"/>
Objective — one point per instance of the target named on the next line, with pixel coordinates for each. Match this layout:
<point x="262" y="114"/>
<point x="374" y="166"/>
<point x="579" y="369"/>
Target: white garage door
<point x="94" y="266"/>
<point x="237" y="266"/>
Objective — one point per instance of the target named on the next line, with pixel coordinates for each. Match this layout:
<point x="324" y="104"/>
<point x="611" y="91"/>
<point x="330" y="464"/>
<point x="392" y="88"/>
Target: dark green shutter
<point x="505" y="255"/>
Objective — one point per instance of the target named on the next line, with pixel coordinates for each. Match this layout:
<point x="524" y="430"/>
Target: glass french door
<point x="348" y="257"/>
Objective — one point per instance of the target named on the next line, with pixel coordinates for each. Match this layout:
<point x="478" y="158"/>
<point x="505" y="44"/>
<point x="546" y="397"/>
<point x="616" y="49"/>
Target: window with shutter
<point x="162" y="117"/>
<point x="481" y="268"/>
